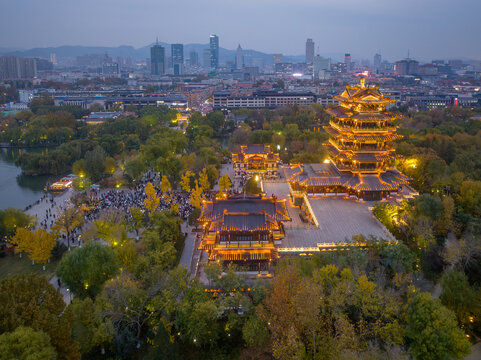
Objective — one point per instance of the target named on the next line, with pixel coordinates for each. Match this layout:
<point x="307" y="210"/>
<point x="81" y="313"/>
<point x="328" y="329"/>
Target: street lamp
<point x="70" y="294"/>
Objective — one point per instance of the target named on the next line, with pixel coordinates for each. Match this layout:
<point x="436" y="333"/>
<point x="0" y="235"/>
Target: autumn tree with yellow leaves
<point x="204" y="179"/>
<point x="165" y="184"/>
<point x="37" y="244"/>
<point x="185" y="180"/>
<point x="196" y="196"/>
<point x="225" y="183"/>
<point x="151" y="202"/>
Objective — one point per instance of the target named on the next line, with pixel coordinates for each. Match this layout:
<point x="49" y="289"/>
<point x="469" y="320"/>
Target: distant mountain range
<point x="69" y="51"/>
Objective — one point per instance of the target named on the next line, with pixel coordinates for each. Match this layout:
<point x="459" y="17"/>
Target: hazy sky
<point x="428" y="28"/>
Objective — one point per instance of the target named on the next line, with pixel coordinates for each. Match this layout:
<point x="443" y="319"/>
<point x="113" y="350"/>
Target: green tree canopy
<point x="29" y="300"/>
<point x="86" y="269"/>
<point x="26" y="344"/>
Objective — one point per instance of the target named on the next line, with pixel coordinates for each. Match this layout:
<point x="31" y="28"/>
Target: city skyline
<point x="347" y="26"/>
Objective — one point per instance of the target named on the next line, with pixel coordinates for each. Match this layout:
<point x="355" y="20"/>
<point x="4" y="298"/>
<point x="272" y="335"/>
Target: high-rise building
<point x="53" y="58"/>
<point x="309" y="51"/>
<point x="377" y="62"/>
<point x="407" y="67"/>
<point x="157" y="60"/>
<point x="347" y="61"/>
<point x="214" y="51"/>
<point x="9" y="67"/>
<point x="28" y="68"/>
<point x="319" y="64"/>
<point x="194" y="58"/>
<point x="206" y="58"/>
<point x="177" y="58"/>
<point x="277" y="58"/>
<point x="239" y="58"/>
<point x="43" y="65"/>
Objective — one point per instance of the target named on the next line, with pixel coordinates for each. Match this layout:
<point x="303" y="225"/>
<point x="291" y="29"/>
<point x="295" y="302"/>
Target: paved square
<point x="339" y="220"/>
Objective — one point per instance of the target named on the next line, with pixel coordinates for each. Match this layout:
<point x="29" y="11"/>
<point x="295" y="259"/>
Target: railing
<point x="357" y="129"/>
<point x="308" y="204"/>
<point x="239" y="245"/>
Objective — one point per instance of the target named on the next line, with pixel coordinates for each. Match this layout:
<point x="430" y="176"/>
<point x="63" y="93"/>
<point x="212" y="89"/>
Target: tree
<point x="196" y="196"/>
<point x="38" y="244"/>
<point x="252" y="187"/>
<point x="87" y="268"/>
<point x="225" y="183"/>
<point x="470" y="197"/>
<point x="432" y="330"/>
<point x="165" y="184"/>
<point x="26" y="344"/>
<point x="255" y="332"/>
<point x="458" y="296"/>
<point x="89" y="329"/>
<point x="110" y="165"/>
<point x="204" y="179"/>
<point x="79" y="168"/>
<point x="151" y="202"/>
<point x="137" y="219"/>
<point x="95" y="163"/>
<point x="69" y="219"/>
<point x="123" y="300"/>
<point x="11" y="219"/>
<point x="185" y="180"/>
<point x="29" y="300"/>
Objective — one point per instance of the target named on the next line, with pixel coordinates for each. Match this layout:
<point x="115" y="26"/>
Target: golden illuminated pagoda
<point x="243" y="229"/>
<point x="361" y="134"/>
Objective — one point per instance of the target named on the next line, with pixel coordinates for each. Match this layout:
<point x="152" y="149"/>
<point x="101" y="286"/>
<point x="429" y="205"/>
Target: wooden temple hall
<point x="243" y="229"/>
<point x="255" y="160"/>
<point x="361" y="153"/>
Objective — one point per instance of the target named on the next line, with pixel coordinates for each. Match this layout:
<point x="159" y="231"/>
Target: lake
<point x="17" y="190"/>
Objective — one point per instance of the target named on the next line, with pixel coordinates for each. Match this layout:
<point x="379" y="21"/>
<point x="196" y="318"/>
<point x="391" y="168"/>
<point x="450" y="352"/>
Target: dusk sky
<point x="427" y="28"/>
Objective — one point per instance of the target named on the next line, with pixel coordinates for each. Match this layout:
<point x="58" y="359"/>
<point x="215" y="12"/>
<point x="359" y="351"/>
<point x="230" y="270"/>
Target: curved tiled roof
<point x="342" y="112"/>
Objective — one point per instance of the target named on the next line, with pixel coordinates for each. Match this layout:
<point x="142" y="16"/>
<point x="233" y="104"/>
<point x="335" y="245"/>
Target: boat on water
<point x="61" y="185"/>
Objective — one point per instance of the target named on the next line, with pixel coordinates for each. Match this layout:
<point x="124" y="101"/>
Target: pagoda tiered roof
<point x="314" y="175"/>
<point x="349" y="135"/>
<point x="275" y="210"/>
<point x="254" y="153"/>
<point x="244" y="222"/>
<point x="363" y="94"/>
<point x="342" y="112"/>
<point x="255" y="149"/>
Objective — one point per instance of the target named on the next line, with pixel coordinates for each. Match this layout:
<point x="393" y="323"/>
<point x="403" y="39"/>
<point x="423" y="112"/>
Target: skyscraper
<point x="157" y="60"/>
<point x="194" y="58"/>
<point x="309" y="51"/>
<point x="377" y="61"/>
<point x="320" y="64"/>
<point x="347" y="61"/>
<point x="53" y="58"/>
<point x="28" y="68"/>
<point x="214" y="51"/>
<point x="239" y="58"/>
<point x="206" y="58"/>
<point x="9" y="67"/>
<point x="177" y="58"/>
<point x="277" y="58"/>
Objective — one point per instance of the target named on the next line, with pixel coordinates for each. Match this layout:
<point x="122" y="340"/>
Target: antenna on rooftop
<point x="157" y="41"/>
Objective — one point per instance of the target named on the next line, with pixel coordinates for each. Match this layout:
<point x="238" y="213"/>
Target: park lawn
<point x="13" y="264"/>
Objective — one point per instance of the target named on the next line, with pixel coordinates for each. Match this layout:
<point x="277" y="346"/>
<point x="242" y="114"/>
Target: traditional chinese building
<point x="361" y="153"/>
<point x="255" y="160"/>
<point x="243" y="229"/>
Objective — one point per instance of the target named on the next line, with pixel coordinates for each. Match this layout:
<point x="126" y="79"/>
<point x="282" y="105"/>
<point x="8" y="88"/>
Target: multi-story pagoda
<point x="243" y="229"/>
<point x="255" y="160"/>
<point x="361" y="134"/>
